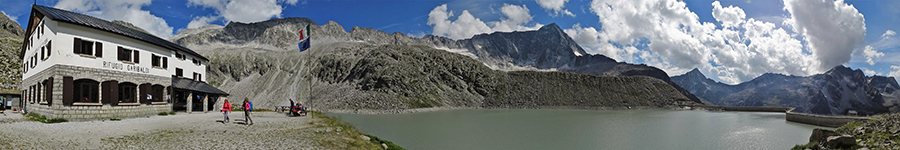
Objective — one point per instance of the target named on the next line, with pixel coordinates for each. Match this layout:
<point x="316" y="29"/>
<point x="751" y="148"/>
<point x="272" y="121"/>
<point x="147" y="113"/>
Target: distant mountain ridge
<point x="834" y="92"/>
<point x="545" y="49"/>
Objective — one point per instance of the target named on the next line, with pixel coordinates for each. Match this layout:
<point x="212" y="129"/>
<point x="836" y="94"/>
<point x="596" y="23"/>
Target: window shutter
<point x="137" y="57"/>
<point x="49" y="88"/>
<point x="68" y="90"/>
<point x="98" y="49"/>
<point x="49" y="49"/>
<point x="77" y="47"/>
<point x="120" y="52"/>
<point x="144" y="90"/>
<point x="165" y="62"/>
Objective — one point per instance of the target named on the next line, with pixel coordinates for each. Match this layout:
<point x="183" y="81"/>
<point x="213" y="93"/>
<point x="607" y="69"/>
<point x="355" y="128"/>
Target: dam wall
<point x="821" y="120"/>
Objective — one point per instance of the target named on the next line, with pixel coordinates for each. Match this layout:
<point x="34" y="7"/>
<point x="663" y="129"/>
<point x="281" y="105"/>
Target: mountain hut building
<point x="78" y="67"/>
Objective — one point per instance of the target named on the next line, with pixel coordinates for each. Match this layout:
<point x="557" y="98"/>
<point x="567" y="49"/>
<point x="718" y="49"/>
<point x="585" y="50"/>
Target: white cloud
<point x="869" y="72"/>
<point x="895" y="73"/>
<point x="870" y="54"/>
<point x="13" y="18"/>
<point x="589" y="39"/>
<point x="730" y="16"/>
<point x="515" y="18"/>
<point x="215" y="4"/>
<point x="466" y="25"/>
<point x="291" y="2"/>
<point x="251" y="10"/>
<point x="887" y="42"/>
<point x="245" y="11"/>
<point x="201" y="21"/>
<point x="888" y="34"/>
<point x="556" y="6"/>
<point x="737" y="51"/>
<point x="128" y="11"/>
<point x="819" y="21"/>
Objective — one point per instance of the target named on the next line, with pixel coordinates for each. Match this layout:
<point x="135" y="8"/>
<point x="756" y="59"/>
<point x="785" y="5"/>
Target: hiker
<point x="291" y="107"/>
<point x="247" y="107"/>
<point x="226" y="108"/>
<point x="301" y="109"/>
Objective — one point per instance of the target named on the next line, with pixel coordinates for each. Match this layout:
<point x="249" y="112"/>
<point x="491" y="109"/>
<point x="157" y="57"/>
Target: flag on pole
<point x="304" y="39"/>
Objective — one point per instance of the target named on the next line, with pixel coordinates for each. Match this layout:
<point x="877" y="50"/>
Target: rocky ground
<point x="185" y="131"/>
<point x="883" y="132"/>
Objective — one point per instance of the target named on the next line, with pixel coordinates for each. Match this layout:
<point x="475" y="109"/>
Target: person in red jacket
<point x="226" y="108"/>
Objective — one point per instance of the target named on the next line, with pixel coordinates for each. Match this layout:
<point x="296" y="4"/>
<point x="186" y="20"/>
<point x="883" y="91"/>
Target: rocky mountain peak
<point x="695" y="71"/>
<point x="695" y="74"/>
<point x="551" y="27"/>
<point x="9" y="26"/>
<point x="842" y="71"/>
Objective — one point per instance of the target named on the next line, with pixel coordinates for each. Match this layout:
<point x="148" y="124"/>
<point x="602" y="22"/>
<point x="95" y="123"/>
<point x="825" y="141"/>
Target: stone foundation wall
<point x="56" y="109"/>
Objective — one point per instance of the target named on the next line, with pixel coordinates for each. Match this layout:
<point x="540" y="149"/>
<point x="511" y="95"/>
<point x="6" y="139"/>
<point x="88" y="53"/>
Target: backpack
<point x="248" y="106"/>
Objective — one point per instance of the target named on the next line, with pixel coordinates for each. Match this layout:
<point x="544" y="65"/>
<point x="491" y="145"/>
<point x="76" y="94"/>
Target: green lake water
<point x="583" y="129"/>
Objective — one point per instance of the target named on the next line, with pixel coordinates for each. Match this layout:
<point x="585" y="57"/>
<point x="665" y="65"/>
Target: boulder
<point x="843" y="141"/>
<point x="821" y="135"/>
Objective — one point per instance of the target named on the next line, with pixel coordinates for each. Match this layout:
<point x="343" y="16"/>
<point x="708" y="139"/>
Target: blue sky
<point x="729" y="41"/>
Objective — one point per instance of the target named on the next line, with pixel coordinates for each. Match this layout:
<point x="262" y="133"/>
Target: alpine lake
<point x="583" y="129"/>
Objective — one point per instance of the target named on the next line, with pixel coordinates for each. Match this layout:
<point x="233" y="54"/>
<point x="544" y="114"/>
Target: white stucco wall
<point x="62" y="35"/>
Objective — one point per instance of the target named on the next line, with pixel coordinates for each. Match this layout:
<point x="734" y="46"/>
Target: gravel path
<point x="181" y="131"/>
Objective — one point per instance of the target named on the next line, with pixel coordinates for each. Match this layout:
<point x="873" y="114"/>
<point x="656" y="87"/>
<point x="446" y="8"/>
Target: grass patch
<point x="390" y="145"/>
<point x="344" y="127"/>
<point x="849" y="127"/>
<point x="811" y="145"/>
<point x="44" y="119"/>
<point x="171" y="113"/>
<point x="163" y="114"/>
<point x="115" y="119"/>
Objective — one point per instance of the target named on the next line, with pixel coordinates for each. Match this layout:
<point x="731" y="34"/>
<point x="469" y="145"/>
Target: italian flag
<point x="304" y="39"/>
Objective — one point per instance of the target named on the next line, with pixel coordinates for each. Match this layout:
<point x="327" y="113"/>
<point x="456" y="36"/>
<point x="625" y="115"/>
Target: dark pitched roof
<point x="188" y="84"/>
<point x="100" y="24"/>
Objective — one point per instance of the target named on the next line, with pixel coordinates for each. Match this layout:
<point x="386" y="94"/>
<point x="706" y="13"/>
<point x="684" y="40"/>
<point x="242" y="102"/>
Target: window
<point x="49" y="48"/>
<point x="156" y="93"/>
<point x="125" y="54"/>
<point x="179" y="56"/>
<point x="87" y="48"/>
<point x="43" y="53"/>
<point x="196" y="62"/>
<point x="86" y="91"/>
<point x="46" y="91"/>
<point x="90" y="48"/>
<point x="127" y="92"/>
<point x="179" y="72"/>
<point x="196" y="76"/>
<point x="158" y="61"/>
